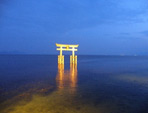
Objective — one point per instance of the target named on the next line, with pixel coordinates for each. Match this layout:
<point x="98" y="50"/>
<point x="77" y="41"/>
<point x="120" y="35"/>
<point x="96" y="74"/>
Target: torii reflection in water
<point x="67" y="79"/>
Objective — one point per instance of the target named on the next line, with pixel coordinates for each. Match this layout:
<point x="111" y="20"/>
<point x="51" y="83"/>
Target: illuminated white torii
<point x="67" y="47"/>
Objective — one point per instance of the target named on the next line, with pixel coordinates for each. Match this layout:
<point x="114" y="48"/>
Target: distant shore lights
<point x="67" y="47"/>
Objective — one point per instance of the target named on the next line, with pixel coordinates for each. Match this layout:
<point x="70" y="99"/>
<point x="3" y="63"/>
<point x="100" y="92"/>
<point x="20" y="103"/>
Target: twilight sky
<point x="100" y="27"/>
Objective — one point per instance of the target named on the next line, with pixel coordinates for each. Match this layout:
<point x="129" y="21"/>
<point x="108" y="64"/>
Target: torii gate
<point x="67" y="47"/>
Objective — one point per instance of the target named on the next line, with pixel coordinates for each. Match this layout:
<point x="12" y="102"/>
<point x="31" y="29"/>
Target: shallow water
<point x="97" y="84"/>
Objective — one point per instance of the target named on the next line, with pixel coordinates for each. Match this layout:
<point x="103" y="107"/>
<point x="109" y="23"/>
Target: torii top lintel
<point x="66" y="45"/>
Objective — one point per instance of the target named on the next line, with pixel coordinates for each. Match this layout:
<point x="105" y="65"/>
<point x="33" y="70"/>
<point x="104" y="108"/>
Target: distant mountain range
<point x="12" y="52"/>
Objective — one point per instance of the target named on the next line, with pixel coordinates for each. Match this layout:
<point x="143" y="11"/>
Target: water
<point x="97" y="84"/>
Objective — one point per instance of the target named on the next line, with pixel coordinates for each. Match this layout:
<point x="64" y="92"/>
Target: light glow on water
<point x="67" y="78"/>
<point x="106" y="85"/>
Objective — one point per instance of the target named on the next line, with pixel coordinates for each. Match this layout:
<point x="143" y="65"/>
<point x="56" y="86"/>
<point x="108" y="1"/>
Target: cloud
<point x="144" y="33"/>
<point x="77" y="13"/>
<point x="125" y="34"/>
<point x="3" y="1"/>
<point x="133" y="5"/>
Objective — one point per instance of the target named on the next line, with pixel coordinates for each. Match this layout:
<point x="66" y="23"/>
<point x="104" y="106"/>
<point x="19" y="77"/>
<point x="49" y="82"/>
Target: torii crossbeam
<point x="67" y="47"/>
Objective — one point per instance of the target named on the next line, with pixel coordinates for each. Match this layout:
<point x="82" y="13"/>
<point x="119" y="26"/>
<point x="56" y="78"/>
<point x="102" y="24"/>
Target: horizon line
<point x="68" y="54"/>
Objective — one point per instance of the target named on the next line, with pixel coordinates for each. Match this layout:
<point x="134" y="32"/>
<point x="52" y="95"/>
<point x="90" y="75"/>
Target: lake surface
<point x="97" y="84"/>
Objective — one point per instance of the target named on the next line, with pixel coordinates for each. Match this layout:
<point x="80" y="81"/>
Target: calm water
<point x="97" y="84"/>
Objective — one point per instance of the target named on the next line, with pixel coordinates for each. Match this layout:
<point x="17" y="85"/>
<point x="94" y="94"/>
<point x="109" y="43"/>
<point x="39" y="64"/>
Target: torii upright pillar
<point x="73" y="57"/>
<point x="67" y="47"/>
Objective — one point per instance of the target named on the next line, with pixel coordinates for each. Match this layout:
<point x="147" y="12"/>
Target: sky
<point x="100" y="27"/>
